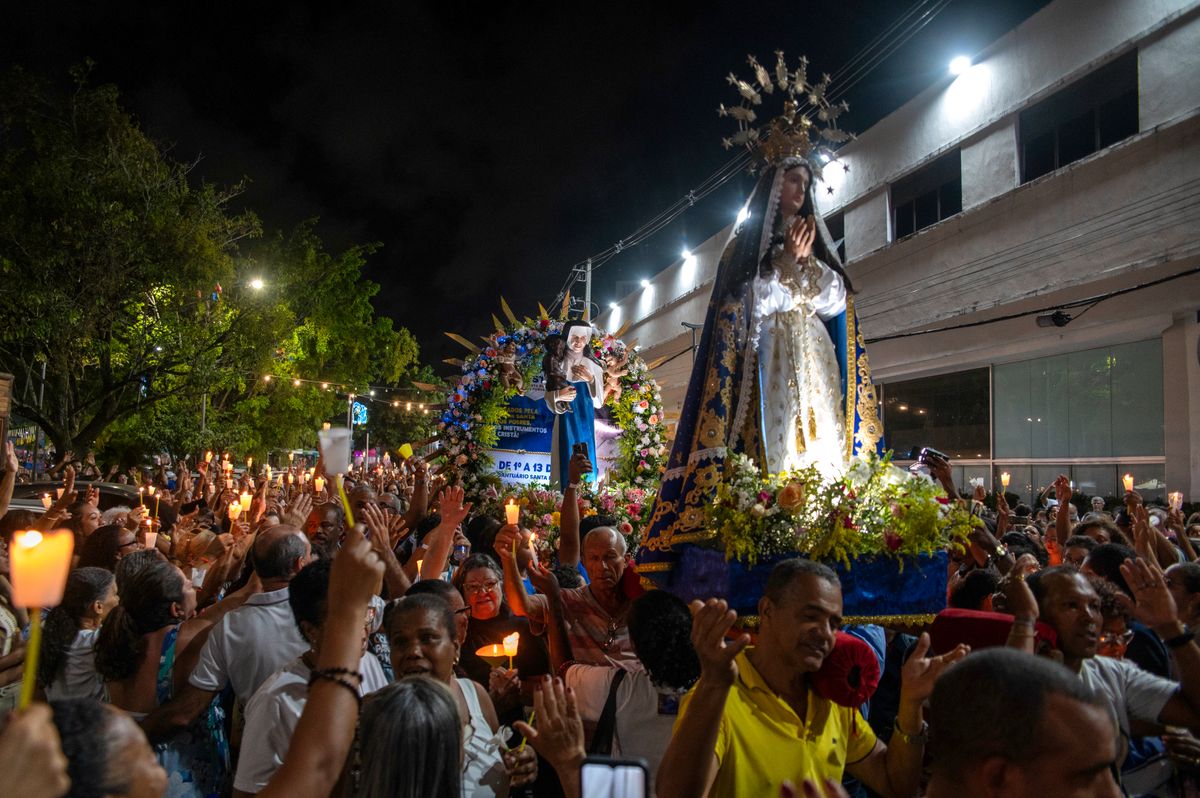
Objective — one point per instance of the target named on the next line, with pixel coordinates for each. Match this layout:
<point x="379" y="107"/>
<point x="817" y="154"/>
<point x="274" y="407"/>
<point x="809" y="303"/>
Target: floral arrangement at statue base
<point x="885" y="531"/>
<point x="541" y="510"/>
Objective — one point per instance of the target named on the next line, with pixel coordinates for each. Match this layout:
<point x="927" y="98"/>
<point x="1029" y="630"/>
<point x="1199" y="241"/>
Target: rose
<point x="758" y="511"/>
<point x="893" y="541"/>
<point x="643" y="404"/>
<point x="547" y="519"/>
<point x="635" y="510"/>
<point x="625" y="528"/>
<point x="791" y="496"/>
<point x="460" y="460"/>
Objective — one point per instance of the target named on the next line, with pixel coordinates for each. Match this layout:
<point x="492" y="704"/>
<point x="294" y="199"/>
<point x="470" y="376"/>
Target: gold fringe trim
<point x="654" y="567"/>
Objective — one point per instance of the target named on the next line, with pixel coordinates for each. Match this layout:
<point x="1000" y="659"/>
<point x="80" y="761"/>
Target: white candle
<point x="1127" y="481"/>
<point x="512" y="513"/>
<point x="318" y="484"/>
<point x="245" y="499"/>
<point x="1004" y="479"/>
<point x="39" y="564"/>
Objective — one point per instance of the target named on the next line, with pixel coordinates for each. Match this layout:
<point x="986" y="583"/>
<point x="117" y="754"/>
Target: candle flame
<point x="28" y="539"/>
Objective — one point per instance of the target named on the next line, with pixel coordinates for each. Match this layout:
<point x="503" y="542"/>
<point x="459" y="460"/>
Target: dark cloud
<point x="487" y="147"/>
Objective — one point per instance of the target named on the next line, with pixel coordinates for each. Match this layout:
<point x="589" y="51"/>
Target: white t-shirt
<point x="248" y="645"/>
<point x="77" y="678"/>
<point x="272" y="714"/>
<point x="645" y="714"/>
<point x="1133" y="693"/>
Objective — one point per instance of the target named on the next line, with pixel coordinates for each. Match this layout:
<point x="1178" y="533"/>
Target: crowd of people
<point x="256" y="635"/>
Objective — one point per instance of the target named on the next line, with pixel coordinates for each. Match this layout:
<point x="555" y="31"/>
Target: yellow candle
<point x="1127" y="481"/>
<point x="1004" y="479"/>
<point x="39" y="566"/>
<point x="405" y="450"/>
<point x="140" y="501"/>
<point x="291" y="478"/>
<point x="318" y="484"/>
<point x="512" y="512"/>
<point x="245" y="499"/>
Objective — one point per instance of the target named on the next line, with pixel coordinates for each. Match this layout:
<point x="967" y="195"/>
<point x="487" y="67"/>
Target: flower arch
<point x="478" y="402"/>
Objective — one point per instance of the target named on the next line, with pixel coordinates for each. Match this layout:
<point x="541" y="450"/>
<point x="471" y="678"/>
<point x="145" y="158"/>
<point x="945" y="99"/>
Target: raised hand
<point x="357" y="572"/>
<point x="1062" y="491"/>
<point x="800" y="237"/>
<point x="451" y="507"/>
<point x="507" y="540"/>
<point x="297" y="514"/>
<point x="11" y="464"/>
<point x="559" y="733"/>
<point x="578" y="465"/>
<point x="711" y="622"/>
<point x="920" y="672"/>
<point x="1153" y="603"/>
<point x="376" y="521"/>
<point x="543" y="579"/>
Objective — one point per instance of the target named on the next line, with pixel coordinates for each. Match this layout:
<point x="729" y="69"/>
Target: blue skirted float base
<point x="883" y="590"/>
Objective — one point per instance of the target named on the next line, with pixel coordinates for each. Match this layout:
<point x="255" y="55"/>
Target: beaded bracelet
<point x="330" y="677"/>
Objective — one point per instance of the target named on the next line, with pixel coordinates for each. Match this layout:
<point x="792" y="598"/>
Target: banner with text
<point x="522" y="453"/>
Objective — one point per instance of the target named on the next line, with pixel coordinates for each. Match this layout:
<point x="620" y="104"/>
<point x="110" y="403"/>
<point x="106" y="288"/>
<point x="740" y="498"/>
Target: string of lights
<point x="377" y="394"/>
<point x="850" y="74"/>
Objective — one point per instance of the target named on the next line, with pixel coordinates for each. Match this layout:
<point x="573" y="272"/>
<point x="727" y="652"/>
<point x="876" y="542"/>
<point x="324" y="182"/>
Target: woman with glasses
<point x="105" y="547"/>
<point x="490" y="621"/>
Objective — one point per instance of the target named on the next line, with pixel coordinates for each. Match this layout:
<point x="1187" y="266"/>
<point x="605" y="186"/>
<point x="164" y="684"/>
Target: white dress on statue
<point x="799" y="377"/>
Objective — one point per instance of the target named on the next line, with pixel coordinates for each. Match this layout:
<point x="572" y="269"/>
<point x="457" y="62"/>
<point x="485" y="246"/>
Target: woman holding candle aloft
<point x="422" y="635"/>
<point x="481" y="583"/>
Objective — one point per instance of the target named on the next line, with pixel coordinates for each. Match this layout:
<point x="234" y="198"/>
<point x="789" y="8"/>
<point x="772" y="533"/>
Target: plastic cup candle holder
<point x="47" y="501"/>
<point x="38" y="565"/>
<point x="405" y="450"/>
<point x="493" y="654"/>
<point x="1175" y="500"/>
<point x="512" y="513"/>
<point x="1005" y="478"/>
<point x="318" y="484"/>
<point x="245" y="500"/>
<point x="1127" y="481"/>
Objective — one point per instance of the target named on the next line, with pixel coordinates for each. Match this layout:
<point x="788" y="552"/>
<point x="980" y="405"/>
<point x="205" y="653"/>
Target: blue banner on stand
<point x="523" y="440"/>
<point x="872" y="588"/>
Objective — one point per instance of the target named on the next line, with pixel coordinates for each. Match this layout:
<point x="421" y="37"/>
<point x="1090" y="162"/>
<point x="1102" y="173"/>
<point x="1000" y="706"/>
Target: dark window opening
<point x="1094" y="112"/>
<point x="927" y="196"/>
<point x="837" y="233"/>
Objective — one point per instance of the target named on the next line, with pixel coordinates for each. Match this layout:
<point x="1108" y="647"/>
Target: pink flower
<point x="893" y="541"/>
<point x="635" y="510"/>
<point x="547" y="520"/>
<point x="653" y="419"/>
<point x="643" y="465"/>
<point x="643" y="404"/>
<point x="645" y="452"/>
<point x="460" y="460"/>
<point x="625" y="528"/>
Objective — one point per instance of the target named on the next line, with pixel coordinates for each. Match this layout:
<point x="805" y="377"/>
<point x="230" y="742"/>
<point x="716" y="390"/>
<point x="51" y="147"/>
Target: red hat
<point x="979" y="629"/>
<point x="850" y="674"/>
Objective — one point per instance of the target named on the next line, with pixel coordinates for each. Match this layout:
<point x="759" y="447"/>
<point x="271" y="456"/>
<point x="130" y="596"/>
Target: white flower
<point x="758" y="511"/>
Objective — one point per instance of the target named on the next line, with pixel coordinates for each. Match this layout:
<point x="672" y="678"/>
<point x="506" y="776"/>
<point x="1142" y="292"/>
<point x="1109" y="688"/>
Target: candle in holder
<point x="533" y="546"/>
<point x="208" y="457"/>
<point x="1004" y="479"/>
<point x="38" y="566"/>
<point x="1175" y="501"/>
<point x="150" y="490"/>
<point x="1127" y="481"/>
<point x="245" y="500"/>
<point x="249" y="463"/>
<point x="318" y="484"/>
<point x="291" y="478"/>
<point x="291" y="456"/>
<point x="405" y="450"/>
<point x="151" y="536"/>
<point x="326" y="426"/>
<point x="47" y="501"/>
<point x="512" y="512"/>
<point x="228" y="483"/>
<point x="235" y="509"/>
<point x="511" y="642"/>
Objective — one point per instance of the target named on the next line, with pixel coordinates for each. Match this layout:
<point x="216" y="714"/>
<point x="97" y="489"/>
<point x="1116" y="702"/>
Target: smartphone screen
<point x="614" y="778"/>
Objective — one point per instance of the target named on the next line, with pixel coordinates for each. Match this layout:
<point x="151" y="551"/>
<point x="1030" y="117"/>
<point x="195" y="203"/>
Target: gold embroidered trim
<point x="654" y="567"/>
<point x="752" y="621"/>
<point x="851" y="359"/>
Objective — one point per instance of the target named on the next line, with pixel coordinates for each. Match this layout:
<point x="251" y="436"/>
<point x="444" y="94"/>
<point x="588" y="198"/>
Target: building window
<point x="1092" y="113"/>
<point x="949" y="412"/>
<point x="837" y="233"/>
<point x="1105" y="402"/>
<point x="927" y="196"/>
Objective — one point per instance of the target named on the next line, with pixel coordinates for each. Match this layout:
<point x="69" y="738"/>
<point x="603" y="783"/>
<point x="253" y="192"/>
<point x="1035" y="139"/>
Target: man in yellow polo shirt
<point x="753" y="721"/>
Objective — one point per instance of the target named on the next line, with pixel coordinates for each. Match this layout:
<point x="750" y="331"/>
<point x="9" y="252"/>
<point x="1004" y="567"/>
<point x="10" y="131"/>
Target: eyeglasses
<point x="481" y="587"/>
<point x="1113" y="639"/>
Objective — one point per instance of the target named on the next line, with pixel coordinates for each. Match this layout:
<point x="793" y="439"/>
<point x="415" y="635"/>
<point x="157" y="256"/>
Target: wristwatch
<point x="1001" y="550"/>
<point x="910" y="739"/>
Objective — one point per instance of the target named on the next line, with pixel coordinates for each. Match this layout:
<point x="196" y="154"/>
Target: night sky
<point x="487" y="148"/>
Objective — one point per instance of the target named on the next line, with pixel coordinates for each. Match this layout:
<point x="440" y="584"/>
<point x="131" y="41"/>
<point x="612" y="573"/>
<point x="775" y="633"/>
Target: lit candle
<point x="208" y="457"/>
<point x="1004" y="479"/>
<point x="47" y="501"/>
<point x="141" y="491"/>
<point x="156" y="500"/>
<point x="59" y="491"/>
<point x="510" y="647"/>
<point x="291" y="478"/>
<point x="405" y="450"/>
<point x="249" y="463"/>
<point x="1175" y="500"/>
<point x="533" y="546"/>
<point x="419" y="568"/>
<point x="228" y="466"/>
<point x="512" y="512"/>
<point x="325" y="426"/>
<point x="245" y="499"/>
<point x="150" y="490"/>
<point x="1127" y="481"/>
<point x="150" y="535"/>
<point x="235" y="509"/>
<point x="228" y="483"/>
<point x="38" y="566"/>
<point x="291" y="456"/>
<point x="318" y="484"/>
<point x="492" y="651"/>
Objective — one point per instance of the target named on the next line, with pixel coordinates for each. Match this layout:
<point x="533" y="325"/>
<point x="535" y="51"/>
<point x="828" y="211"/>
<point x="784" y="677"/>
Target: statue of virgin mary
<point x="574" y="392"/>
<point x="780" y="372"/>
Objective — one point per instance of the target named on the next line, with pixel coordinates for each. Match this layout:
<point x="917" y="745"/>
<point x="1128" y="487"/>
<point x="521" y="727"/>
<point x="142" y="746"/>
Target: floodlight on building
<point x="959" y="65"/>
<point x="1055" y="319"/>
<point x="743" y="214"/>
<point x="612" y="305"/>
<point x="645" y="283"/>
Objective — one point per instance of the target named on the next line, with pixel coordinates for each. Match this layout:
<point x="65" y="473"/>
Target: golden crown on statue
<point x="807" y="126"/>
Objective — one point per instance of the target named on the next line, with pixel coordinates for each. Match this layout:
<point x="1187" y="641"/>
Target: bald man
<point x="248" y="644"/>
<point x="595" y="614"/>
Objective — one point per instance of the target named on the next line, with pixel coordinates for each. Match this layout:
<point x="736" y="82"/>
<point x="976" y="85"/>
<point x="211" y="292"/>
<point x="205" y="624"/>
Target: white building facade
<point x="1062" y="168"/>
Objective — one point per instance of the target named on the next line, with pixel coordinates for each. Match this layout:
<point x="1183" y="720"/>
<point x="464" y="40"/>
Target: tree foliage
<point x="129" y="283"/>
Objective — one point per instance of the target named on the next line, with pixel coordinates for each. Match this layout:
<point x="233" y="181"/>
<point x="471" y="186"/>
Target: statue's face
<point x="578" y="340"/>
<point x="793" y="190"/>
